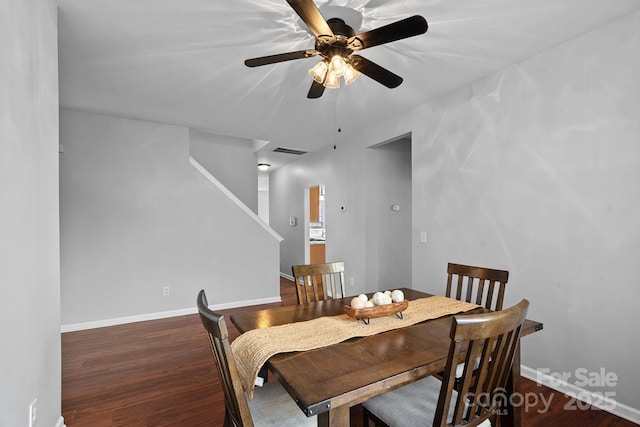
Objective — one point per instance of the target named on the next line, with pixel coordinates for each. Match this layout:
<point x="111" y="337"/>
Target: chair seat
<point x="271" y="402"/>
<point x="392" y="408"/>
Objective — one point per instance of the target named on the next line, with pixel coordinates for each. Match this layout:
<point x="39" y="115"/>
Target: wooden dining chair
<point x="494" y="338"/>
<point x="478" y="285"/>
<point x="271" y="405"/>
<point x="318" y="282"/>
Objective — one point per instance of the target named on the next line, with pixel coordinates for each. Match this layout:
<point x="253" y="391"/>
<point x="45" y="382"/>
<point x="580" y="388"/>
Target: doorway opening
<point x="315" y="226"/>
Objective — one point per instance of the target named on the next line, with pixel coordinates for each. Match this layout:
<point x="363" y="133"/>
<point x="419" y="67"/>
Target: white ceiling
<point x="181" y="61"/>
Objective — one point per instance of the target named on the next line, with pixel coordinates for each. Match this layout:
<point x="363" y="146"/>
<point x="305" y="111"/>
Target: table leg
<point x="512" y="415"/>
<point x="336" y="417"/>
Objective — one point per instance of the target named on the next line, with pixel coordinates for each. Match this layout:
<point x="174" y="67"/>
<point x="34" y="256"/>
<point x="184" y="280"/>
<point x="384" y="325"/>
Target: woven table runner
<point x="253" y="348"/>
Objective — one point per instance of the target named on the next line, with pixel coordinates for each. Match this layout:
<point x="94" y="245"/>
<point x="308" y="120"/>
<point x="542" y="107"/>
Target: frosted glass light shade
<point x="332" y="81"/>
<point x="319" y="71"/>
<point x="338" y="65"/>
<point x="350" y="74"/>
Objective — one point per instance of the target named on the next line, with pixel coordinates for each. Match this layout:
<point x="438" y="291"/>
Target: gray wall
<point x="29" y="239"/>
<point x="388" y="232"/>
<point x="536" y="169"/>
<point x="136" y="216"/>
<point x="231" y="160"/>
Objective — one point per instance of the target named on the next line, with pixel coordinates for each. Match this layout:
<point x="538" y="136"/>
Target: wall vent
<point x="289" y="151"/>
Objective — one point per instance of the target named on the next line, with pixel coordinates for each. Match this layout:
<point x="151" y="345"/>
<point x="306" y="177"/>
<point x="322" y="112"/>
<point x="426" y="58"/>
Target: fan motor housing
<point x="340" y="28"/>
<point x="342" y="33"/>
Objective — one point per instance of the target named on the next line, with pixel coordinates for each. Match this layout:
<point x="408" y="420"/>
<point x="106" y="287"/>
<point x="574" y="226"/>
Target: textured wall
<point x="29" y="239"/>
<point x="536" y="169"/>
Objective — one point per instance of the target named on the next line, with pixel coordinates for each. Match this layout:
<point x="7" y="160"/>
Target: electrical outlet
<point x="33" y="413"/>
<point x="352" y="282"/>
<point x="166" y="291"/>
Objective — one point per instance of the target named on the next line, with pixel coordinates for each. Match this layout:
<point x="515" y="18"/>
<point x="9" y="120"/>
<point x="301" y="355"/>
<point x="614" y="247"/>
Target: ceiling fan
<point x="335" y="43"/>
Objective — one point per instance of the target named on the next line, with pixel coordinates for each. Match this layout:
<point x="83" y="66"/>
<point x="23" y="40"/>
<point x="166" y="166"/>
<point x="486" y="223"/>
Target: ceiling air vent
<point x="289" y="151"/>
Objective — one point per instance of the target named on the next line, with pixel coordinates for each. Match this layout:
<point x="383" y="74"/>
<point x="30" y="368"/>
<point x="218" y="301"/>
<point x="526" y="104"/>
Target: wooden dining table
<point x="328" y="381"/>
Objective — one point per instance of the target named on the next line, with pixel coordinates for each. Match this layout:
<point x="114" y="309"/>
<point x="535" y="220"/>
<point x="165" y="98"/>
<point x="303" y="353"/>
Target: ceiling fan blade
<point x="316" y="90"/>
<point x="376" y="72"/>
<point x="281" y="57"/>
<point x="309" y="13"/>
<point x="402" y="29"/>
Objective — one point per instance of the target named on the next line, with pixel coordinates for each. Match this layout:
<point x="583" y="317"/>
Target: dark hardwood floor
<point x="161" y="373"/>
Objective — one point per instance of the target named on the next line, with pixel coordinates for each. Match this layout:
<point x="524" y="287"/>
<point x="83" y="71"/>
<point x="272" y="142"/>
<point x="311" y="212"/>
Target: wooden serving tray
<point x="365" y="314"/>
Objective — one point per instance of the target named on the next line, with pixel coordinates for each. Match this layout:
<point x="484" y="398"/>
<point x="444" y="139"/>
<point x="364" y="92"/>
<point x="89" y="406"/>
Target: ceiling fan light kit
<point x="335" y="42"/>
<point x="328" y="73"/>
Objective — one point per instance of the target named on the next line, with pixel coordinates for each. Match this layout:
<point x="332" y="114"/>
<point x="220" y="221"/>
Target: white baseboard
<point x="60" y="422"/>
<point x="245" y="303"/>
<point x="286" y="276"/>
<point x="595" y="399"/>
<point x="161" y="315"/>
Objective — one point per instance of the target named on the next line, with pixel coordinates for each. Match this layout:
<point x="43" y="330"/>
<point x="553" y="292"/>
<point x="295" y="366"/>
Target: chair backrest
<point x="236" y="408"/>
<point x="494" y="339"/>
<point x="478" y="285"/>
<point x="317" y="282"/>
